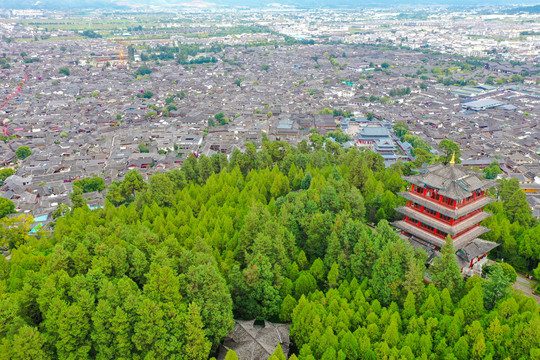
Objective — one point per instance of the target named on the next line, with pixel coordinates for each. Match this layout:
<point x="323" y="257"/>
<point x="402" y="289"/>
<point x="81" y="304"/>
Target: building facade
<point x="448" y="201"/>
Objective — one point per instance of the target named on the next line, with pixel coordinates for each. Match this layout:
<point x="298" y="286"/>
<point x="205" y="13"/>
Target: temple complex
<point x="448" y="201"/>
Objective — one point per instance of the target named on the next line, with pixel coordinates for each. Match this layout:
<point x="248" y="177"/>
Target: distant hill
<point x="130" y="4"/>
<point x="535" y="9"/>
<point x="61" y="5"/>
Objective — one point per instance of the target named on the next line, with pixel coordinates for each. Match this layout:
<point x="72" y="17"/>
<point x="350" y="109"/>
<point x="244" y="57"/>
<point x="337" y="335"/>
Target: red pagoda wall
<point x="431" y="194"/>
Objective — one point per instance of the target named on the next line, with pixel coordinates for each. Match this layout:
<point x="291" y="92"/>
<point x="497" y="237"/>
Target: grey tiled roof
<point x="454" y="181"/>
<point x="255" y="342"/>
<point x="476" y="248"/>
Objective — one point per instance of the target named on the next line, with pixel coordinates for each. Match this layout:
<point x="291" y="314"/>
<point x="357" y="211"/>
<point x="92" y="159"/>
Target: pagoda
<point x="447" y="200"/>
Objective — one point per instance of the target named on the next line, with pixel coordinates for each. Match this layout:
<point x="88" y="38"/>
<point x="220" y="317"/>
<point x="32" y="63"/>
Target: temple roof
<point x="250" y="341"/>
<point x="476" y="248"/>
<point x="453" y="181"/>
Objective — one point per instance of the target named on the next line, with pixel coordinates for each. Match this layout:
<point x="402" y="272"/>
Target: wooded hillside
<point x="279" y="234"/>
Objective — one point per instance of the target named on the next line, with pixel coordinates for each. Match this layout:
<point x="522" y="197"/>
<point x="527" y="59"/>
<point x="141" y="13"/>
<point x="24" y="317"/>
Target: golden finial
<point x="453" y="159"/>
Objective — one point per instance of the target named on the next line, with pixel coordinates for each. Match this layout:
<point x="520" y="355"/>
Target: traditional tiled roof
<point x="476" y="248"/>
<point x="454" y="181"/>
<point x="250" y="341"/>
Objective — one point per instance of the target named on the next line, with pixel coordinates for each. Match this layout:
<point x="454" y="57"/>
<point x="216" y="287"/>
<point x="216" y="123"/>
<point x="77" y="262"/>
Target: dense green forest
<point x="278" y="234"/>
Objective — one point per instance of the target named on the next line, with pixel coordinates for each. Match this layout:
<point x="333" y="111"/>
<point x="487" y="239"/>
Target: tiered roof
<point x="455" y="181"/>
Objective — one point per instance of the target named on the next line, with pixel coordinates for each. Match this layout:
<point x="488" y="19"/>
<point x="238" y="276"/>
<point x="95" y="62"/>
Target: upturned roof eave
<point x="452" y="230"/>
<point x="459" y="242"/>
<point x="453" y="213"/>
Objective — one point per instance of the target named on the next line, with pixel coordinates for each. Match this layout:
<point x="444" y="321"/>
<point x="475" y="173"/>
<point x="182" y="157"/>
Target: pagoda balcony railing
<point x="439" y="218"/>
<point x="451" y="229"/>
<point x="453" y="207"/>
<point x="433" y="200"/>
<point x="424" y="212"/>
<point x="470" y="200"/>
<point x="426" y="228"/>
<point x="444" y="210"/>
<point x="429" y="229"/>
<point x="469" y="215"/>
<point x="459" y="241"/>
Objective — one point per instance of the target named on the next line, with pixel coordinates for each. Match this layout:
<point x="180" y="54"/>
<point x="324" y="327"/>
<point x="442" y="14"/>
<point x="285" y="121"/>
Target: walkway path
<point x="527" y="286"/>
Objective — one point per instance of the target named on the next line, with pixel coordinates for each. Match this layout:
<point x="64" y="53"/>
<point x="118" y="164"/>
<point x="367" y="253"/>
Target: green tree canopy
<point x="450" y="150"/>
<point x="5" y="173"/>
<point x="6" y="207"/>
<point x="23" y="152"/>
<point x="64" y="71"/>
<point x="143" y="70"/>
<point x="445" y="271"/>
<point x="89" y="184"/>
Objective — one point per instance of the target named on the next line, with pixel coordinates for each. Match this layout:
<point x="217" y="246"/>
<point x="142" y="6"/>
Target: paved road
<point x="110" y="152"/>
<point x="527" y="287"/>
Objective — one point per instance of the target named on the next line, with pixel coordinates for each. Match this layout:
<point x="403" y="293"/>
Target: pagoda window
<point x="419" y="189"/>
<point x="470" y="199"/>
<point x="449" y="201"/>
<point x="445" y="218"/>
<point x="432" y="194"/>
<point x="431" y="212"/>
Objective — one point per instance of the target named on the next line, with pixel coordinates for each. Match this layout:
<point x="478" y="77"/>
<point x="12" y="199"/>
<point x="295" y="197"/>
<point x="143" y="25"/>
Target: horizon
<point x="251" y="5"/>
